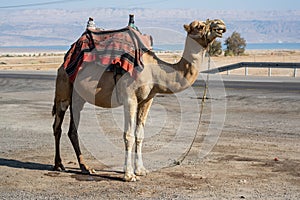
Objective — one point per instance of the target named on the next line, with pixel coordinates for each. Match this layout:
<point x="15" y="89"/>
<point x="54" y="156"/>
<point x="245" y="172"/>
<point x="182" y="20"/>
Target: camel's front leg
<point x="142" y="113"/>
<point x="130" y="108"/>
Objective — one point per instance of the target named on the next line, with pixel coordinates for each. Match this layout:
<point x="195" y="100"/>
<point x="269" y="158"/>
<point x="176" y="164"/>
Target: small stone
<point x="243" y="181"/>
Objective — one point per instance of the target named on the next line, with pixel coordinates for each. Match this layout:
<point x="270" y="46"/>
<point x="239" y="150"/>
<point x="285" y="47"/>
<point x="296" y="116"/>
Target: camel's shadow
<point x="24" y="165"/>
<point x="105" y="175"/>
<point x="75" y="173"/>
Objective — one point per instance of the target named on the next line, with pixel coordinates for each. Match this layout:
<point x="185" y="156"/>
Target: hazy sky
<point x="164" y="4"/>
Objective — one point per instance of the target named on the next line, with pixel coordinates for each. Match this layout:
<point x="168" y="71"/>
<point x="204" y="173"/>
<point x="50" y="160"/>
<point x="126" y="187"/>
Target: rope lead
<point x="204" y="97"/>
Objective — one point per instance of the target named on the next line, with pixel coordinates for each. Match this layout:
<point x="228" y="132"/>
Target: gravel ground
<point x="254" y="155"/>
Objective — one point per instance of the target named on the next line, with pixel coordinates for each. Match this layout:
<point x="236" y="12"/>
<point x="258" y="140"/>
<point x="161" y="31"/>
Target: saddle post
<point x="131" y="22"/>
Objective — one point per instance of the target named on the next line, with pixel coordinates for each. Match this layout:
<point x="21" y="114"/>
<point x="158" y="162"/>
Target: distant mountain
<point x="62" y="27"/>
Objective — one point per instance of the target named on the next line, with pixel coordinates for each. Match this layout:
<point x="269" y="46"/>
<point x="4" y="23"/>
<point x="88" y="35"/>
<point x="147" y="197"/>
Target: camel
<point x="97" y="86"/>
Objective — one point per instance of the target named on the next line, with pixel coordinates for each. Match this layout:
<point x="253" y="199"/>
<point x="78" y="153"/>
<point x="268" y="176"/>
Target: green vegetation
<point x="215" y="48"/>
<point x="235" y="45"/>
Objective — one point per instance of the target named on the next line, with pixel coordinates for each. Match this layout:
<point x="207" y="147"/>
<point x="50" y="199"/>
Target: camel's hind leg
<point x="62" y="100"/>
<point x="75" y="108"/>
<point x="59" y="112"/>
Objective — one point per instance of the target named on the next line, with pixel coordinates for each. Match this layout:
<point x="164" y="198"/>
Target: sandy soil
<point x="51" y="61"/>
<point x="256" y="156"/>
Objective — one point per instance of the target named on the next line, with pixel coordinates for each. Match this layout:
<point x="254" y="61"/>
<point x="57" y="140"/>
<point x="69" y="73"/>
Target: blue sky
<point x="164" y="4"/>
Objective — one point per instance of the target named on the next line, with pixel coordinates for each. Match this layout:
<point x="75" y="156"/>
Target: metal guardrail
<point x="247" y="65"/>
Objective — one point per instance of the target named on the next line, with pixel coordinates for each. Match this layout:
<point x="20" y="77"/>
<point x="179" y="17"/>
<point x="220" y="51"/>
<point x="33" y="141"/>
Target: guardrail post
<point x="228" y="72"/>
<point x="270" y="71"/>
<point x="295" y="72"/>
<point x="246" y="71"/>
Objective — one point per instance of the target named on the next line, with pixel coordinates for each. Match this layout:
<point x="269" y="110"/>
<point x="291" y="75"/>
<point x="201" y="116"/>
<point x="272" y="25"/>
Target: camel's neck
<point x="177" y="77"/>
<point x="193" y="53"/>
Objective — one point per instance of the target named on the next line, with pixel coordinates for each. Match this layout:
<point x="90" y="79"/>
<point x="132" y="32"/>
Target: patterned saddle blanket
<point x="108" y="48"/>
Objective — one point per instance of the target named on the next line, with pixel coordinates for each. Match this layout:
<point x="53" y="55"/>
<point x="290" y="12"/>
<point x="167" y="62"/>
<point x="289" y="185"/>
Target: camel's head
<point x="205" y="32"/>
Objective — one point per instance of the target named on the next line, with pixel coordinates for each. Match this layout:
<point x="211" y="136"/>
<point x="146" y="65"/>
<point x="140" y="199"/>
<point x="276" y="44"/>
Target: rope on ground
<point x="204" y="97"/>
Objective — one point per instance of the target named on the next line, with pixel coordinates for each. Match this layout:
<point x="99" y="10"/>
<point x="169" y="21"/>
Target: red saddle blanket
<point x="123" y="47"/>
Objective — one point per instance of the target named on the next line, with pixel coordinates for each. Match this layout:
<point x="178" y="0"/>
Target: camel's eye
<point x="201" y="27"/>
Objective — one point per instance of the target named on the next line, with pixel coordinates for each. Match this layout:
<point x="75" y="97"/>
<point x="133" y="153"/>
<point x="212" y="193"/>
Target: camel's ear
<point x="187" y="28"/>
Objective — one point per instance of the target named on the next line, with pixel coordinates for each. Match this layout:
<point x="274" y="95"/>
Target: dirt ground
<point x="256" y="155"/>
<point x="50" y="61"/>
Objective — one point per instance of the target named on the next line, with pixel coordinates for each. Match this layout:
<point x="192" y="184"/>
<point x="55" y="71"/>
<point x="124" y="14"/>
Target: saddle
<point x="111" y="49"/>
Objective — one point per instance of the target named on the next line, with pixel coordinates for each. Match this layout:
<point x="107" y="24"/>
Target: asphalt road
<point x="229" y="82"/>
<point x="246" y="123"/>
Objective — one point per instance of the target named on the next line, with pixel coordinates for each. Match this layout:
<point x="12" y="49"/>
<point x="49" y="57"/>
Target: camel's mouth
<point x="218" y="27"/>
<point x="219" y="31"/>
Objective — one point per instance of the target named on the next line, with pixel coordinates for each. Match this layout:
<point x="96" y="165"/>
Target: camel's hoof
<point x="86" y="170"/>
<point x="130" y="178"/>
<point x="141" y="172"/>
<point x="59" y="167"/>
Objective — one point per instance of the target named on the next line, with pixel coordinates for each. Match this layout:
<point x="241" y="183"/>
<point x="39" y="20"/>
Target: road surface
<point x="254" y="153"/>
